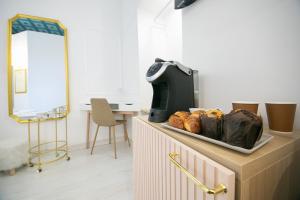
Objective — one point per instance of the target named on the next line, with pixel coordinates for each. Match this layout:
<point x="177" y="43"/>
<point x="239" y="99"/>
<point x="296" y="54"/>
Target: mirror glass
<point x="37" y="63"/>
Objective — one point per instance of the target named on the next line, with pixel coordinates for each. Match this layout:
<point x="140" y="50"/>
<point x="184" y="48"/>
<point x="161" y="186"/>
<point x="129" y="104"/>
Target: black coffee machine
<point x="173" y="89"/>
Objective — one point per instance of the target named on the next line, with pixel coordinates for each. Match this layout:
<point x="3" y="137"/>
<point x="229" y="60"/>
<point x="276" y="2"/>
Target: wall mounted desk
<point x="124" y="110"/>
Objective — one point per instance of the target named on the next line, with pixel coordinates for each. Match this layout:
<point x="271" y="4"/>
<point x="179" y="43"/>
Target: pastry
<point x="182" y="114"/>
<point x="197" y="114"/>
<point x="214" y="113"/>
<point x="192" y="124"/>
<point x="242" y="128"/>
<point x="211" y="124"/>
<point x="176" y="121"/>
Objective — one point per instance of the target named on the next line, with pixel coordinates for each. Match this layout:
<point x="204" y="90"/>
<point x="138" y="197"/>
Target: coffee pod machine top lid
<point x="173" y="89"/>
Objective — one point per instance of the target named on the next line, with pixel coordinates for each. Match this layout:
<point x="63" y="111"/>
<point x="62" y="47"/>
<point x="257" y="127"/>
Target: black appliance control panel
<point x="154" y="69"/>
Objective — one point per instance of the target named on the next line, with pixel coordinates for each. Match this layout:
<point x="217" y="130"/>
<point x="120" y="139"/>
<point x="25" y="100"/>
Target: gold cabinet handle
<point x="218" y="189"/>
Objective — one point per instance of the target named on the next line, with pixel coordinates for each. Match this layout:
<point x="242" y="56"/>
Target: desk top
<point x="123" y="107"/>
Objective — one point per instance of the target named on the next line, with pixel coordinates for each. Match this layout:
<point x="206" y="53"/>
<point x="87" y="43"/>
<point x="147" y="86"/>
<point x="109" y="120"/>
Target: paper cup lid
<point x="246" y="102"/>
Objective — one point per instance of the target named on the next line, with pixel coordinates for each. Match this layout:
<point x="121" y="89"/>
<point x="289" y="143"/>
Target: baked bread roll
<point x="176" y="121"/>
<point x="242" y="128"/>
<point x="192" y="124"/>
<point x="211" y="124"/>
<point x="182" y="114"/>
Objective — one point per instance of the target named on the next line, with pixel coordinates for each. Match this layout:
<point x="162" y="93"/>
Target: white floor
<point x="84" y="177"/>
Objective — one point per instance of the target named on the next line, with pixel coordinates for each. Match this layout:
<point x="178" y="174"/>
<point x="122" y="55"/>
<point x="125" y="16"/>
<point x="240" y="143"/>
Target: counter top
<point x="243" y="164"/>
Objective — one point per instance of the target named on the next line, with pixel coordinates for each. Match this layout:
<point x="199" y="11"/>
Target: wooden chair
<point x="102" y="115"/>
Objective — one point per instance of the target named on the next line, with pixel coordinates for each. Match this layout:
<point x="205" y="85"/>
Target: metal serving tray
<point x="265" y="138"/>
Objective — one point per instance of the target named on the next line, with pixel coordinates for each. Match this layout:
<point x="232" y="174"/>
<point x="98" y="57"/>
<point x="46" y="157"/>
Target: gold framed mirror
<point x="37" y="60"/>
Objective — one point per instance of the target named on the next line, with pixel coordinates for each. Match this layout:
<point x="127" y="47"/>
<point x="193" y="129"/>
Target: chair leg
<point x="114" y="139"/>
<point x="95" y="139"/>
<point x="109" y="134"/>
<point x="124" y="125"/>
<point x="126" y="133"/>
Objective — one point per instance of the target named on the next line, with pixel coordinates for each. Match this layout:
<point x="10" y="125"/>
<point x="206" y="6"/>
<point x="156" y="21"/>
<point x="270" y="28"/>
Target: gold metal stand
<point x="36" y="152"/>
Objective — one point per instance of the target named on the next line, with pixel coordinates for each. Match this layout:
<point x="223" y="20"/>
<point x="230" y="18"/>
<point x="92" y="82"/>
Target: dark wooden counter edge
<point x="280" y="146"/>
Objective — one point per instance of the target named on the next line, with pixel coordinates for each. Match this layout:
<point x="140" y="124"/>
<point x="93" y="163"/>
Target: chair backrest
<point x="102" y="113"/>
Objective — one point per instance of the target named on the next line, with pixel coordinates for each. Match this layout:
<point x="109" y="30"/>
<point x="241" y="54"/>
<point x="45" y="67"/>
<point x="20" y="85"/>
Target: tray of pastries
<point x="239" y="130"/>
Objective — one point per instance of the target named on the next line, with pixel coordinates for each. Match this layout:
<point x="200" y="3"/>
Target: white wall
<point x="81" y="18"/>
<point x="244" y="50"/>
<point x="112" y="59"/>
<point x="173" y="29"/>
<point x="159" y="37"/>
<point x="130" y="58"/>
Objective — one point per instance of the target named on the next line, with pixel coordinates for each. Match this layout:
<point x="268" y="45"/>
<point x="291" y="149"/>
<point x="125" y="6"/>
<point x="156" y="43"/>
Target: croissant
<point x="197" y="114"/>
<point x="192" y="124"/>
<point x="176" y="121"/>
<point x="182" y="114"/>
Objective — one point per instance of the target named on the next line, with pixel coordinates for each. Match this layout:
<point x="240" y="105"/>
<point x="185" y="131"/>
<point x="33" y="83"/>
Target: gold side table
<point x="60" y="149"/>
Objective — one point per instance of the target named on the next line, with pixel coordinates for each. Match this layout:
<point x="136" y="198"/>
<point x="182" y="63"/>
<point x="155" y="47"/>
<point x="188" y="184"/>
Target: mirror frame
<point x="9" y="67"/>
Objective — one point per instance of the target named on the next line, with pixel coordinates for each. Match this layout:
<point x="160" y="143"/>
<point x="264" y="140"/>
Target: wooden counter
<point x="272" y="172"/>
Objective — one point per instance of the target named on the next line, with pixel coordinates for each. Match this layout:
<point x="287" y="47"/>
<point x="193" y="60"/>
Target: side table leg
<point x="29" y="146"/>
<point x="67" y="149"/>
<point x="39" y="149"/>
